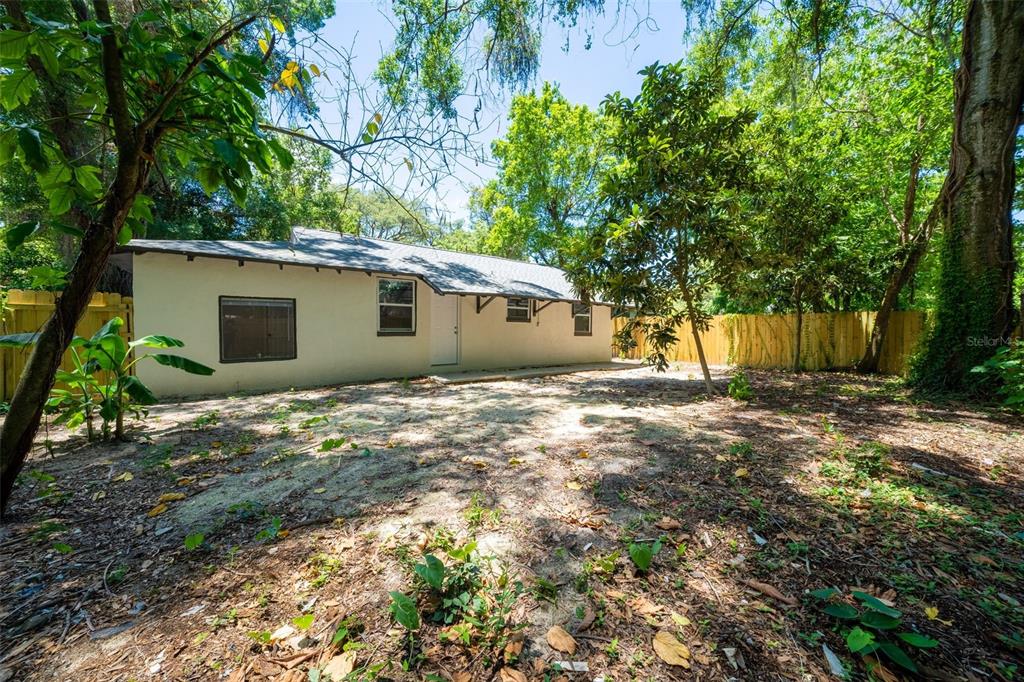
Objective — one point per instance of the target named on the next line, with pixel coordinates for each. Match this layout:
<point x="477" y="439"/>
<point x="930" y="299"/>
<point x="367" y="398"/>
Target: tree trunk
<point x="976" y="311"/>
<point x="899" y="279"/>
<point x="695" y="329"/>
<point x="19" y="428"/>
<point x="797" y="342"/>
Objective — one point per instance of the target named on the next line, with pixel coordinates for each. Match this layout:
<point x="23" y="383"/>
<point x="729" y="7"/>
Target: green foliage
<point x="550" y="162"/>
<point x="271" y="532"/>
<point x="477" y="514"/>
<point x="870" y="626"/>
<point x="1006" y="367"/>
<point x="331" y="444"/>
<point x="673" y="201"/>
<point x="739" y="386"/>
<point x="102" y="381"/>
<point x="643" y="553"/>
<point x="194" y="541"/>
<point x="403" y="609"/>
<point x="303" y="622"/>
<point x="431" y="571"/>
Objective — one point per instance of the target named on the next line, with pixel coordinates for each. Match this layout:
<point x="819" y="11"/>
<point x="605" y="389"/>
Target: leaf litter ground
<point x="231" y="537"/>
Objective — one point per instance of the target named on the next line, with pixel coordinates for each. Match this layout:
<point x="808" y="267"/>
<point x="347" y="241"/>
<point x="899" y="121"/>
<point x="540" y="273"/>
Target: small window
<point x="518" y="310"/>
<point x="257" y="329"/>
<point x="581" y="319"/>
<point x="396" y="307"/>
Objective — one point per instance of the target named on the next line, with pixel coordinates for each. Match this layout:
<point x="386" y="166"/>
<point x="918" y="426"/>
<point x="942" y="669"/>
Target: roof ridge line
<point x="432" y="248"/>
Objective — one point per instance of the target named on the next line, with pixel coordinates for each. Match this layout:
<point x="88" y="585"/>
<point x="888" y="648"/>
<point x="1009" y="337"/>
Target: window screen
<point x="254" y="329"/>
<point x="581" y="319"/>
<point x="518" y="310"/>
<point x="396" y="306"/>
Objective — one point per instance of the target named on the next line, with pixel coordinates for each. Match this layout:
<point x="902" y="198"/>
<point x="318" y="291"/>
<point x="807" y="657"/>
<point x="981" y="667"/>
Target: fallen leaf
<point x="588" y="619"/>
<point x="771" y="591"/>
<point x="126" y="476"/>
<point x="982" y="559"/>
<point x="341" y="665"/>
<point x="99" y="495"/>
<point x="644" y="606"/>
<point x="511" y="675"/>
<point x="877" y="669"/>
<point x="933" y="614"/>
<point x="741" y="472"/>
<point x="668" y="523"/>
<point x="681" y="621"/>
<point x="513" y="650"/>
<point x="671" y="650"/>
<point x="295" y="659"/>
<point x="171" y="497"/>
<point x="283" y="632"/>
<point x="560" y="640"/>
<point x="514" y="461"/>
<point x="584" y="454"/>
<point x="320" y="491"/>
<point x="574" y="485"/>
<point x="721" y="458"/>
<point x="834" y="664"/>
<point x="184" y="480"/>
<point x="157" y="510"/>
<point x="462" y="676"/>
<point x="216" y="444"/>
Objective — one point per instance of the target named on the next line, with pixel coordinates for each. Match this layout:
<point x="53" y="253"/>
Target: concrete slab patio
<point x="530" y="372"/>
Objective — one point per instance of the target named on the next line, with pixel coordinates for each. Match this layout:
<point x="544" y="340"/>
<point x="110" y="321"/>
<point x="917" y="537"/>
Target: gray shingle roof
<point x="447" y="272"/>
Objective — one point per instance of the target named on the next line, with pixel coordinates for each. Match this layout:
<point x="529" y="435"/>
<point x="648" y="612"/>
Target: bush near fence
<point x="28" y="311"/>
<point x="828" y="340"/>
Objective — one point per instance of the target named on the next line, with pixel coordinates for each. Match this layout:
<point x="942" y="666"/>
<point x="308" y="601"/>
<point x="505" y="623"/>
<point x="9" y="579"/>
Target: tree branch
<point x="187" y="72"/>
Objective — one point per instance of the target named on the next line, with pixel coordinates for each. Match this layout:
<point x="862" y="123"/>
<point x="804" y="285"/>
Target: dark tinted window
<point x="253" y="329"/>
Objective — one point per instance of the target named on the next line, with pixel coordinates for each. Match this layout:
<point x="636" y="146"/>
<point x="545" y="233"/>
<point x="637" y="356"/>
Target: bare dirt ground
<point x="259" y="537"/>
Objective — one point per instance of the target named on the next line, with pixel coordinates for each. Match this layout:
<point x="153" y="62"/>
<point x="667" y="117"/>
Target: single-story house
<point x="325" y="308"/>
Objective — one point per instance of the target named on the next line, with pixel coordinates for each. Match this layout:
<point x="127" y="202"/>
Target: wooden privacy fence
<point x="27" y="311"/>
<point x="828" y="340"/>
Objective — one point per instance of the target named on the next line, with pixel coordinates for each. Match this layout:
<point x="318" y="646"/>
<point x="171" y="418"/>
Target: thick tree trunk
<point x="19" y="428"/>
<point x="691" y="314"/>
<point x="22" y="422"/>
<point x="976" y="311"/>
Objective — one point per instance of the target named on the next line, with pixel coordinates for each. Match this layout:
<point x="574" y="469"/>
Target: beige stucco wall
<point x="335" y="327"/>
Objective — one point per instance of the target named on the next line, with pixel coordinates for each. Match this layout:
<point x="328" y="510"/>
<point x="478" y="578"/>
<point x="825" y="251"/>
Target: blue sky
<point x="621" y="45"/>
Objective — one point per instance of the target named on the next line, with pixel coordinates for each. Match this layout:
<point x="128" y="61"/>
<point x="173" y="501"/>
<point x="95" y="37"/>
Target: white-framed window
<point x="581" y="319"/>
<point x="518" y="310"/>
<point x="396" y="307"/>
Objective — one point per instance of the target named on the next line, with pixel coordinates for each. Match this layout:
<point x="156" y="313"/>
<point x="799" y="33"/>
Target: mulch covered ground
<point x="259" y="537"/>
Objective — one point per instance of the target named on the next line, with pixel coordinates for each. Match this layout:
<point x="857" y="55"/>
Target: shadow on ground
<point x="319" y="502"/>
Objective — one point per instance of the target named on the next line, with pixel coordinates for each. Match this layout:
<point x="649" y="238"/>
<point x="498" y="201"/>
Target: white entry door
<point x="444" y="330"/>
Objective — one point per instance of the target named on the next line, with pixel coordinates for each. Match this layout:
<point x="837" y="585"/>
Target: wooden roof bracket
<point x="537" y="309"/>
<point x="481" y="306"/>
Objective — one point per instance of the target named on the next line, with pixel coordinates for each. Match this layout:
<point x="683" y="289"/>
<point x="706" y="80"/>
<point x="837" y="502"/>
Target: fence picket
<point x="28" y="311"/>
<point x="828" y="340"/>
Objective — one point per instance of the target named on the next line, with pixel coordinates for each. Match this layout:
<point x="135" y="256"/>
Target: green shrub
<point x="642" y="554"/>
<point x="873" y="626"/>
<point x="1007" y="368"/>
<point x="739" y="386"/>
